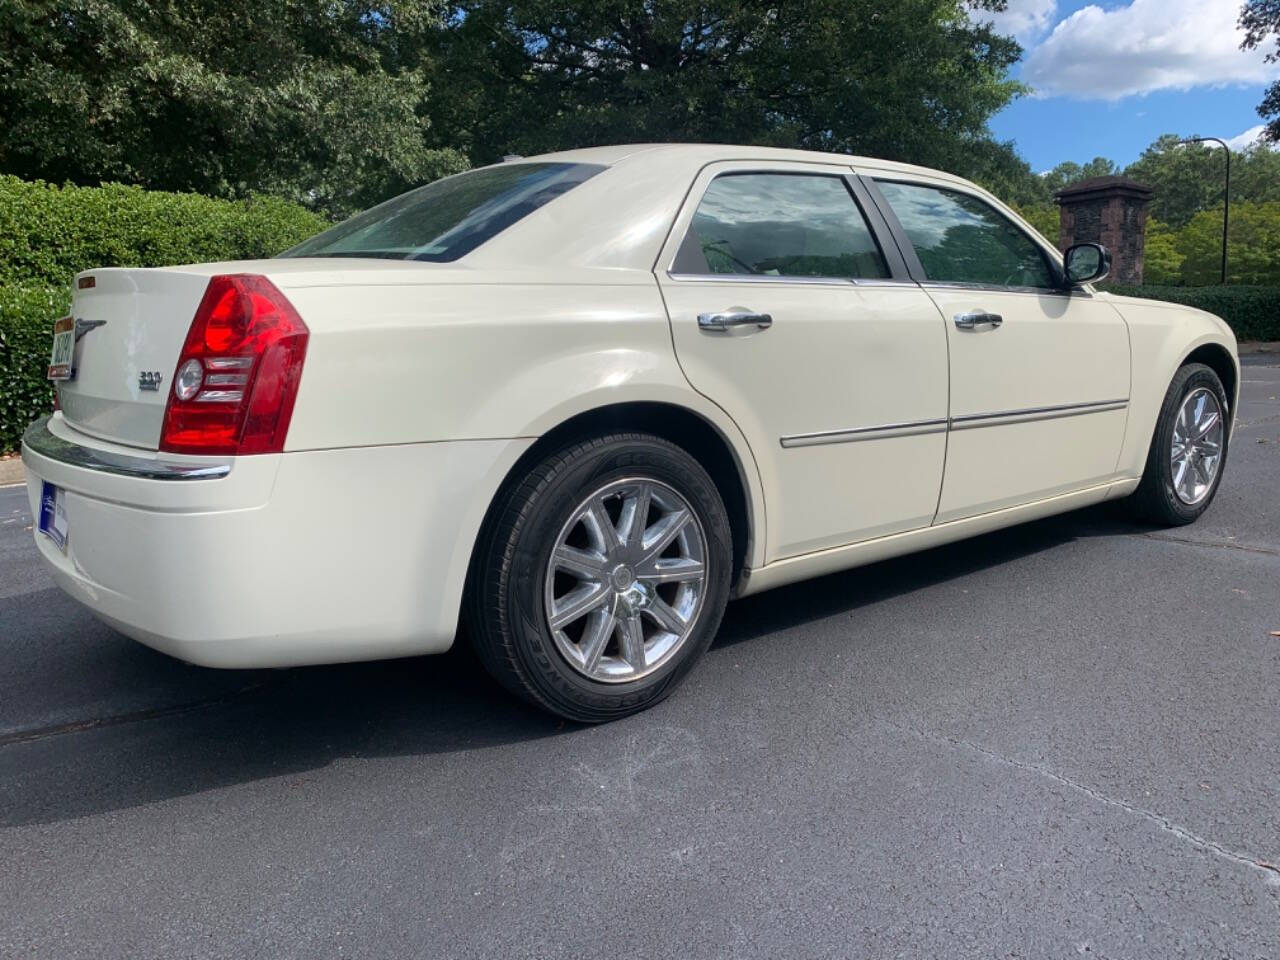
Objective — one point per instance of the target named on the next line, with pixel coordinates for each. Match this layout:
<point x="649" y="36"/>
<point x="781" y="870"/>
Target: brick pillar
<point x="1111" y="211"/>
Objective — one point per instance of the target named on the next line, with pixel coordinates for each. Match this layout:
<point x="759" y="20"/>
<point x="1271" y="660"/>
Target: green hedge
<point x="26" y="336"/>
<point x="1252" y="312"/>
<point x="48" y="234"/>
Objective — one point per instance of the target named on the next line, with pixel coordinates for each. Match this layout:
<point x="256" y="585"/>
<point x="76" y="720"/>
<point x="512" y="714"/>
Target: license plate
<point x="53" y="514"/>
<point x="64" y="347"/>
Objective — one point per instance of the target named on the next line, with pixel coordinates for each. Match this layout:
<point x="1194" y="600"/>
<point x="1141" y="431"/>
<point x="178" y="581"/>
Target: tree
<point x="1186" y="178"/>
<point x="911" y="80"/>
<point x="1253" y="250"/>
<point x="1260" y="19"/>
<point x="319" y="102"/>
<point x="1069" y="172"/>
<point x="1162" y="261"/>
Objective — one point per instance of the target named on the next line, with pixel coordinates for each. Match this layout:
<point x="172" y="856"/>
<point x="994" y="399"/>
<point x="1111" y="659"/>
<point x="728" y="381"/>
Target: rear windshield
<point x="449" y="218"/>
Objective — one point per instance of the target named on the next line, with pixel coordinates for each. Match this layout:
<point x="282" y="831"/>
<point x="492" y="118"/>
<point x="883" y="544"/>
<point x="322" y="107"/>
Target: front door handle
<point x="978" y="320"/>
<point x="734" y="317"/>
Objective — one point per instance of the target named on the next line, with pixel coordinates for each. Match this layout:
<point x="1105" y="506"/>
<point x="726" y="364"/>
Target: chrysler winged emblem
<point x="84" y="326"/>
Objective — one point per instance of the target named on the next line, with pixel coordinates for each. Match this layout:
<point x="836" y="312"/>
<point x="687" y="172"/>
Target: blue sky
<point x="1112" y="75"/>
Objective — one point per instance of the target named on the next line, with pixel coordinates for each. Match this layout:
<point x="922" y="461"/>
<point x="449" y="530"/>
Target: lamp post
<point x="1226" y="195"/>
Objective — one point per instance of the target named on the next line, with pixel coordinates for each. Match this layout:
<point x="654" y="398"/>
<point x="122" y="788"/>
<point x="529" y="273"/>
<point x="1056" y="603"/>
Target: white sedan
<point x="579" y="401"/>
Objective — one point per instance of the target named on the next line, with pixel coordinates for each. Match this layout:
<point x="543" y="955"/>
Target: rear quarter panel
<point x="488" y="358"/>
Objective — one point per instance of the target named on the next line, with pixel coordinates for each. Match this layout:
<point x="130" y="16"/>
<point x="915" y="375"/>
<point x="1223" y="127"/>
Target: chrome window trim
<point x="39" y="439"/>
<point x="767" y="278"/>
<point x="969" y="421"/>
<point x="997" y="288"/>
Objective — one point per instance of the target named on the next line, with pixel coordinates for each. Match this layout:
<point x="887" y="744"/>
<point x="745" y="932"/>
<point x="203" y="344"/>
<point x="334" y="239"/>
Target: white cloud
<point x="1246" y="139"/>
<point x="1149" y="45"/>
<point x="1024" y="20"/>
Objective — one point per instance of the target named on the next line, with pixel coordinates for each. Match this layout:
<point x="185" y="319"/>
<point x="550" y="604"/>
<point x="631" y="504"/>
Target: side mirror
<point x="1085" y="263"/>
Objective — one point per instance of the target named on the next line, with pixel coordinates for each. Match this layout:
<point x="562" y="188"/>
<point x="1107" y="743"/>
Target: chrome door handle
<point x="734" y="317"/>
<point x="978" y="319"/>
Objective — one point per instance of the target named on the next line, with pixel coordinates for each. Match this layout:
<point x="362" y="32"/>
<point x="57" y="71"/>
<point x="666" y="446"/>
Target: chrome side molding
<point x="40" y="440"/>
<point x="914" y="429"/>
<point x="969" y="421"/>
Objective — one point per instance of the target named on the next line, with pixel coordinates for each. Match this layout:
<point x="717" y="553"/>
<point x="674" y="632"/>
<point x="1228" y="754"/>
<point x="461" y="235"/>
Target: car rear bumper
<point x="273" y="560"/>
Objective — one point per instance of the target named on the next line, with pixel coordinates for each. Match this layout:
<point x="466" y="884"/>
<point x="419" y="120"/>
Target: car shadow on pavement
<point x="282" y="723"/>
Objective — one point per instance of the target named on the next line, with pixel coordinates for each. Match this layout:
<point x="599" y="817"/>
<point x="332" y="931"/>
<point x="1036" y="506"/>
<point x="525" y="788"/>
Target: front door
<point x="1039" y="375"/>
<point x="787" y="314"/>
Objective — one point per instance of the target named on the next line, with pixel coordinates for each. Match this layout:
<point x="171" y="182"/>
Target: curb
<point x="11" y="472"/>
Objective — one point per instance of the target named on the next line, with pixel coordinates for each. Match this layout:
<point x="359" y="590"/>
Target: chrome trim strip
<point x="966" y="422"/>
<point x="971" y="420"/>
<point x="913" y="429"/>
<point x="41" y="441"/>
<point x="769" y="278"/>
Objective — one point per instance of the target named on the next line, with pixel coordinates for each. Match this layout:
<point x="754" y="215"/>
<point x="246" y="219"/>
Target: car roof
<point x="701" y="153"/>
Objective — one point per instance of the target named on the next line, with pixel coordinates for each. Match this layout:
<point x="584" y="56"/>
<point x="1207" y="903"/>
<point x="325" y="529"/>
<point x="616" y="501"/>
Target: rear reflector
<point x="239" y="371"/>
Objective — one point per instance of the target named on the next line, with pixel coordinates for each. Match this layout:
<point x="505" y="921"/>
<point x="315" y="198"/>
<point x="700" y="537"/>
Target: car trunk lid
<point x="131" y="324"/>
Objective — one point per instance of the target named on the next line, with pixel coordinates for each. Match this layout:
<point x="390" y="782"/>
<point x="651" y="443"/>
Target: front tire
<point x="1188" y="450"/>
<point x="601" y="576"/>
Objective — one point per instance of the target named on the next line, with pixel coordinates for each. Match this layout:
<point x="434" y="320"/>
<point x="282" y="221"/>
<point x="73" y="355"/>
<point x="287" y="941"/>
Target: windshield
<point x="449" y="218"/>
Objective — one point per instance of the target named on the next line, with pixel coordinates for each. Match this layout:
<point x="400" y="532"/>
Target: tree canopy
<point x="319" y="102"/>
<point x="1260" y="20"/>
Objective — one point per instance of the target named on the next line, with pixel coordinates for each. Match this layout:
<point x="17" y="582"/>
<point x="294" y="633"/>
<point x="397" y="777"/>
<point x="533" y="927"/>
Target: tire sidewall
<point x="555" y="680"/>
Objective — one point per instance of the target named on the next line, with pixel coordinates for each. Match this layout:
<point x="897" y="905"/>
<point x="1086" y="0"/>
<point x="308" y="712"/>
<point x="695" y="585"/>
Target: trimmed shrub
<point x="1253" y="313"/>
<point x="48" y="234"/>
<point x="26" y="337"/>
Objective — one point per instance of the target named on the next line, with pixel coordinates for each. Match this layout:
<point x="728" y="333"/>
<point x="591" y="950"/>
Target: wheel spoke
<point x="596" y="638"/>
<point x="584" y="563"/>
<point x="671" y="570"/>
<point x="635" y="516"/>
<point x="633" y="642"/>
<point x="581" y="600"/>
<point x="1204" y="426"/>
<point x="666" y="617"/>
<point x="1180" y="472"/>
<point x="659" y="536"/>
<point x="603" y="532"/>
<point x="1202" y="472"/>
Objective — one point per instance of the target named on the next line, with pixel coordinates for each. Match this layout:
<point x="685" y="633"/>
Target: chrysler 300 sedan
<point x="578" y="402"/>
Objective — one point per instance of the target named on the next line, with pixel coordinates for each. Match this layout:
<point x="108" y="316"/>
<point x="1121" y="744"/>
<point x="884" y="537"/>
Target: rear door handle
<point x="978" y="320"/>
<point x="734" y="317"/>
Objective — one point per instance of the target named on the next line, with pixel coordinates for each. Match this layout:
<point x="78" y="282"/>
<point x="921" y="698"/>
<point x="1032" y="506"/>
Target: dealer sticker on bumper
<point x="53" y="514"/>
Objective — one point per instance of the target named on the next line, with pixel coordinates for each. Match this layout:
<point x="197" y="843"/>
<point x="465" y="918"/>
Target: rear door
<point x="1039" y="375"/>
<point x="787" y="312"/>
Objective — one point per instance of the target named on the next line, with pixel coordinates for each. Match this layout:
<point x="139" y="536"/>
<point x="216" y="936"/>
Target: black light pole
<point x="1226" y="196"/>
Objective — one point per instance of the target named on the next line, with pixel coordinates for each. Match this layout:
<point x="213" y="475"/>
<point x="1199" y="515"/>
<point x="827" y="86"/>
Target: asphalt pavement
<point x="1059" y="740"/>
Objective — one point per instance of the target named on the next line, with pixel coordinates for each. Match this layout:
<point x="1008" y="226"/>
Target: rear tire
<point x="1185" y="463"/>
<point x="635" y="602"/>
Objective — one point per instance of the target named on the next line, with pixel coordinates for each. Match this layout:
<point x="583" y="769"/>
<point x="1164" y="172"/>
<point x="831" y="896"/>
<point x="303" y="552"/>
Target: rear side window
<point x="449" y="218"/>
<point x="780" y="225"/>
<point x="961" y="239"/>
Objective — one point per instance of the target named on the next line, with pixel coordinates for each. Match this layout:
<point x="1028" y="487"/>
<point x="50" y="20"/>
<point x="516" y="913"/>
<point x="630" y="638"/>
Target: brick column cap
<point x="1103" y="188"/>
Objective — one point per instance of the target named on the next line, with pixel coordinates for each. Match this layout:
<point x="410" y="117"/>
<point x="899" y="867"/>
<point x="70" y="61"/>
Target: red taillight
<point x="237" y="377"/>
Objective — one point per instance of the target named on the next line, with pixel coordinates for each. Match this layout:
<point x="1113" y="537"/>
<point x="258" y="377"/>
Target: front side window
<point x="780" y="225"/>
<point x="449" y="218"/>
<point x="961" y="239"/>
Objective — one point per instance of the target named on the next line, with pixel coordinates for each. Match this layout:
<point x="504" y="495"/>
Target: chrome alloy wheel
<point x="626" y="580"/>
<point x="1196" y="448"/>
